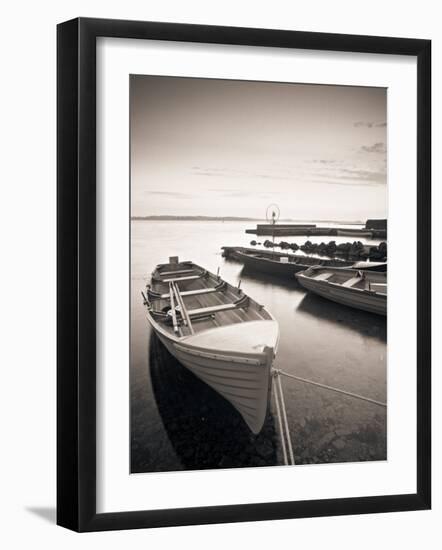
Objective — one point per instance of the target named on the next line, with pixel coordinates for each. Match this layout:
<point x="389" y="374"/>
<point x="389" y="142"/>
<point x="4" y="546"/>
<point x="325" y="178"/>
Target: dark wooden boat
<point x="355" y="233"/>
<point x="278" y="263"/>
<point x="361" y="289"/>
<point x="286" y="265"/>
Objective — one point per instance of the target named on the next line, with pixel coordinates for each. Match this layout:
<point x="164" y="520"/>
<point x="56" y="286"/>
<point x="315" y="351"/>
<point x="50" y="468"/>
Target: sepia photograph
<point x="258" y="274"/>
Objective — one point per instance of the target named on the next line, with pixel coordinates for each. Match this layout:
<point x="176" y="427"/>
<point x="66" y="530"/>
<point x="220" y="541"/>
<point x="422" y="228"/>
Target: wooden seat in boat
<point x="351" y="282"/>
<point x="178" y="279"/>
<point x="381" y="288"/>
<point x="188" y="314"/>
<point x="193" y="292"/>
<point x="323" y="276"/>
<point x="215" y="309"/>
<point x="178" y="272"/>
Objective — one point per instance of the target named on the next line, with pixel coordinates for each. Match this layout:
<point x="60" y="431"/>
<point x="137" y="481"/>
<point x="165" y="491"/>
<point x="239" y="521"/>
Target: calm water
<point x="177" y="422"/>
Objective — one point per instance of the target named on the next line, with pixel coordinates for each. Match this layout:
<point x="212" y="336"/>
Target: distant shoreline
<point x="233" y="219"/>
<point x="196" y="218"/>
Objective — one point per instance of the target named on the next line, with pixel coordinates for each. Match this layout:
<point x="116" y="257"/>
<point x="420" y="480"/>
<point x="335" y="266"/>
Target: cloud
<point x="344" y="183"/>
<point x="229" y="173"/>
<point x="215" y="172"/>
<point x="175" y="194"/>
<point x="369" y="124"/>
<point x="351" y="176"/>
<point x="322" y="161"/>
<point x="363" y="175"/>
<point x="232" y="193"/>
<point x="378" y="147"/>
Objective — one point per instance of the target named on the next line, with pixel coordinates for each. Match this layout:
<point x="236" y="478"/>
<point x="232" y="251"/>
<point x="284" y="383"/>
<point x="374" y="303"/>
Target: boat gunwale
<point x="347" y="289"/>
<point x="252" y="358"/>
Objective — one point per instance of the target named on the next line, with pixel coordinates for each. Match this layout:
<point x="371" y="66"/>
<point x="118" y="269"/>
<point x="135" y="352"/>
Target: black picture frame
<point x="76" y="273"/>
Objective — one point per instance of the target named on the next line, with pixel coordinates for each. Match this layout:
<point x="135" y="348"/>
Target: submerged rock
<point x="325" y="440"/>
<point x="264" y="449"/>
<point x="339" y="444"/>
<point x="341" y="432"/>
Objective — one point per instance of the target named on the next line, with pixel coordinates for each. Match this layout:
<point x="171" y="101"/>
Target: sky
<point x="229" y="148"/>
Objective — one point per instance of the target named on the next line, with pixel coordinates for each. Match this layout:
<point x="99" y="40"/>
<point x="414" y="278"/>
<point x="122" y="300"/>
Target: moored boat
<point x="354" y="233"/>
<point x="218" y="332"/>
<point x="361" y="289"/>
<point x="278" y="263"/>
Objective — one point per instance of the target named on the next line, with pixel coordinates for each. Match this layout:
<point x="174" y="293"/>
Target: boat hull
<point x="366" y="301"/>
<point x="354" y="233"/>
<point x="243" y="379"/>
<point x="271" y="267"/>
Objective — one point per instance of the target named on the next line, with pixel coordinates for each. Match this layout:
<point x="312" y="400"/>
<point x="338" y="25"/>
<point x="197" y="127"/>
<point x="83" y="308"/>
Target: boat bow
<point x="235" y="360"/>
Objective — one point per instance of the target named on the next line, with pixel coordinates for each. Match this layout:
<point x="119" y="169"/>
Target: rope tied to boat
<point x="286" y="441"/>
<point x="331" y="388"/>
<point x="284" y="429"/>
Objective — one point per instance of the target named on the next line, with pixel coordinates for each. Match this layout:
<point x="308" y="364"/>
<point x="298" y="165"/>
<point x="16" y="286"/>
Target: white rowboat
<point x="360" y="289"/>
<point x="219" y="333"/>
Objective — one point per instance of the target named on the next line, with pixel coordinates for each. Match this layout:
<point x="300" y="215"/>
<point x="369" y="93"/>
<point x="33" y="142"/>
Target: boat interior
<point x="186" y="299"/>
<point x="351" y="278"/>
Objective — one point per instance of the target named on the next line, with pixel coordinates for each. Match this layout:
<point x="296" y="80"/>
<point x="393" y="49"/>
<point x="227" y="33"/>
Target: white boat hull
<point x="370" y="302"/>
<point x="242" y="378"/>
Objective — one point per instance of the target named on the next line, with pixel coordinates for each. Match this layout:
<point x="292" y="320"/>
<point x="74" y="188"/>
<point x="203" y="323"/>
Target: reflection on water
<point x="367" y="324"/>
<point x="247" y="274"/>
<point x="178" y="422"/>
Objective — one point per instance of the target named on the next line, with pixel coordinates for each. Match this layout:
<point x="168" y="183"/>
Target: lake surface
<point x="178" y="422"/>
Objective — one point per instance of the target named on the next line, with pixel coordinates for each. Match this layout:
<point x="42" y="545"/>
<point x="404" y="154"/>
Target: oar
<point x="172" y="305"/>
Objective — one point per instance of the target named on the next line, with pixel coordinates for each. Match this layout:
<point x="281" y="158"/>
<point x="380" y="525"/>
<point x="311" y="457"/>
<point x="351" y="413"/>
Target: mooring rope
<point x="282" y="412"/>
<point x="281" y="431"/>
<point x="284" y="418"/>
<point x="325" y="387"/>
